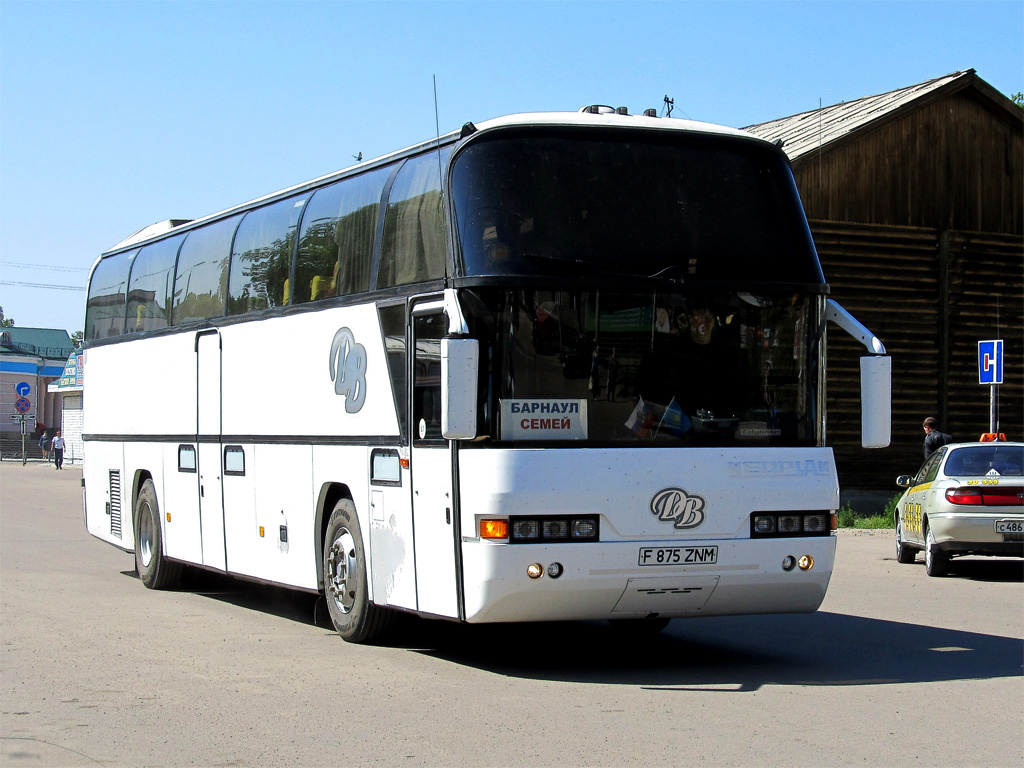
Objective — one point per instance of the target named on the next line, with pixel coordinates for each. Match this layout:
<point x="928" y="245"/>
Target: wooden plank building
<point x="916" y="202"/>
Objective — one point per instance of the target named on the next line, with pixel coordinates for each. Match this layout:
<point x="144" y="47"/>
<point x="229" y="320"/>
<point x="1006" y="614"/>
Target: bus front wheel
<point x="345" y="589"/>
<point x="153" y="567"/>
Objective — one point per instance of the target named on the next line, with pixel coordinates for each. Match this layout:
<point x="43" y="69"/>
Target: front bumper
<point x="605" y="581"/>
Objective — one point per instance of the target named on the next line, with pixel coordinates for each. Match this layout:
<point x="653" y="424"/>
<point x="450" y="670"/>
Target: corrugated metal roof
<point x="41" y="342"/>
<point x="806" y="132"/>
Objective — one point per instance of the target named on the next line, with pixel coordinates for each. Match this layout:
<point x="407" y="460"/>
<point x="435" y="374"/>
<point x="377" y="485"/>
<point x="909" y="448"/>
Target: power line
<point x="44" y="285"/>
<point x="43" y="266"/>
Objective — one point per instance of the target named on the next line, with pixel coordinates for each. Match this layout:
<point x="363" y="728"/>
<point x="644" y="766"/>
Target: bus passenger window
<point x="261" y="259"/>
<point x="392" y="324"/>
<point x="149" y="286"/>
<point x="201" y="279"/>
<point x="337" y="235"/>
<point x="105" y="307"/>
<point x="415" y="243"/>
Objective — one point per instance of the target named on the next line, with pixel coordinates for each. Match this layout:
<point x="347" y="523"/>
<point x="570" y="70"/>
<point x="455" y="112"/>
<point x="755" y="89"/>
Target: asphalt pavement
<point x="895" y="669"/>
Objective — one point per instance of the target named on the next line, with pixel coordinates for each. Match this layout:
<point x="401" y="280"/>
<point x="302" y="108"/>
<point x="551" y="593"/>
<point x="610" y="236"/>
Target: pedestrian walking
<point x="44" y="445"/>
<point x="57" y="446"/>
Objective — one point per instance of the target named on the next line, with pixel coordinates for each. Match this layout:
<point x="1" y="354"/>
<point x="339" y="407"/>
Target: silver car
<point x="967" y="499"/>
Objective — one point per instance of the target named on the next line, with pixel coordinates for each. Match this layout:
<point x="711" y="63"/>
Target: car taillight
<point x="969" y="495"/>
<point x="991" y="496"/>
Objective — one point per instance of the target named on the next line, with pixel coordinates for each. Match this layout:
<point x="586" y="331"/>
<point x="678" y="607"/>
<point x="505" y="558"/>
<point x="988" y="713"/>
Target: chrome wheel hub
<point x="145" y="542"/>
<point x="341" y="567"/>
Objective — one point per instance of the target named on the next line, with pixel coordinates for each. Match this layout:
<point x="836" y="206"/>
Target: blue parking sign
<point x="990" y="362"/>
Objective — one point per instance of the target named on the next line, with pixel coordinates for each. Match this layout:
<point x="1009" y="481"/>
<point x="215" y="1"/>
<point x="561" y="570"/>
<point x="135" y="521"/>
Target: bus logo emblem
<point x="348" y="369"/>
<point x="676" y="505"/>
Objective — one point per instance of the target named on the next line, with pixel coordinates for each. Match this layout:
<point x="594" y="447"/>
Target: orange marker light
<point x="494" y="529"/>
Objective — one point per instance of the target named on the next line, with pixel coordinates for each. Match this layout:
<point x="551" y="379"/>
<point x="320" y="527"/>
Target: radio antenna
<point x="437" y="134"/>
<point x="440" y="172"/>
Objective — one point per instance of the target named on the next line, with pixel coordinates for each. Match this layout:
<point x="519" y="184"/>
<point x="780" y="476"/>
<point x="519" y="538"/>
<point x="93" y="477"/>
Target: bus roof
<point x="607" y="118"/>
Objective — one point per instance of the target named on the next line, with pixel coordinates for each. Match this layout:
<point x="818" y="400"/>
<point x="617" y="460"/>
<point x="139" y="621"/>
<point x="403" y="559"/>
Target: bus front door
<point x="434" y="528"/>
<point x="208" y="433"/>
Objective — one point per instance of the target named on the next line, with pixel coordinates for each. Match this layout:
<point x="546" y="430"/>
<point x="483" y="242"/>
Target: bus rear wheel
<point x="154" y="569"/>
<point x="345" y="587"/>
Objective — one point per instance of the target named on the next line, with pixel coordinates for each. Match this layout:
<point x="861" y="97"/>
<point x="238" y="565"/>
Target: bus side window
<point x="392" y="324"/>
<point x="337" y="235"/>
<point x="105" y="307"/>
<point x="201" y="277"/>
<point x="261" y="258"/>
<point x="426" y="395"/>
<point x="415" y="244"/>
<point x="149" y="286"/>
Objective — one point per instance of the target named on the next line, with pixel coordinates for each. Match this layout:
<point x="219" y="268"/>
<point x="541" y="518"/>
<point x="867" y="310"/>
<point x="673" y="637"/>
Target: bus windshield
<point x="634" y="368"/>
<point x="691" y="207"/>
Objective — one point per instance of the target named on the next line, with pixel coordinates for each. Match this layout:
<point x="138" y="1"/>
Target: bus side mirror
<point x="875" y="401"/>
<point x="460" y="363"/>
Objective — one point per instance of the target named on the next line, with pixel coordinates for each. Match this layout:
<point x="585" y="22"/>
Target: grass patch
<point x="851" y="518"/>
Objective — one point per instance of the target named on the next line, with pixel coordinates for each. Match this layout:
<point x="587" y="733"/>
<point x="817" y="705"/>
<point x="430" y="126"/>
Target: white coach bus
<point x="548" y="367"/>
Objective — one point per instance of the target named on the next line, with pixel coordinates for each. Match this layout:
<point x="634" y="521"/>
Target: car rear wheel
<point x="904" y="554"/>
<point x="936" y="562"/>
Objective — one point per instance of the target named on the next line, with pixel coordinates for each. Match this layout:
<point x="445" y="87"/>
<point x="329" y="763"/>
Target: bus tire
<point x="904" y="554"/>
<point x="154" y="569"/>
<point x="355" y="618"/>
<point x="936" y="562"/>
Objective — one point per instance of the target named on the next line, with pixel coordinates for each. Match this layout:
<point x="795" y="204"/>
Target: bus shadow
<point x="725" y="653"/>
<point x="733" y="653"/>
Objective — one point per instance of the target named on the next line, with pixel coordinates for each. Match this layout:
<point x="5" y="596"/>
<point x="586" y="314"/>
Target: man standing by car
<point x="933" y="438"/>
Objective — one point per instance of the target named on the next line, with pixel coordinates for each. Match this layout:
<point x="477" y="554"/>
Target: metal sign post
<point x="23" y="405"/>
<point x="990" y="371"/>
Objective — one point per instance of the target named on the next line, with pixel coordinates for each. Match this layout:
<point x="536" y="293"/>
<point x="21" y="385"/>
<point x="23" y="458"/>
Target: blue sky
<point x="115" y="115"/>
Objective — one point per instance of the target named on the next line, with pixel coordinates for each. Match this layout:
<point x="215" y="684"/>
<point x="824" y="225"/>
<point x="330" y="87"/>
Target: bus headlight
<point x="525" y="530"/>
<point x="776" y="525"/>
<point x="529" y="530"/>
